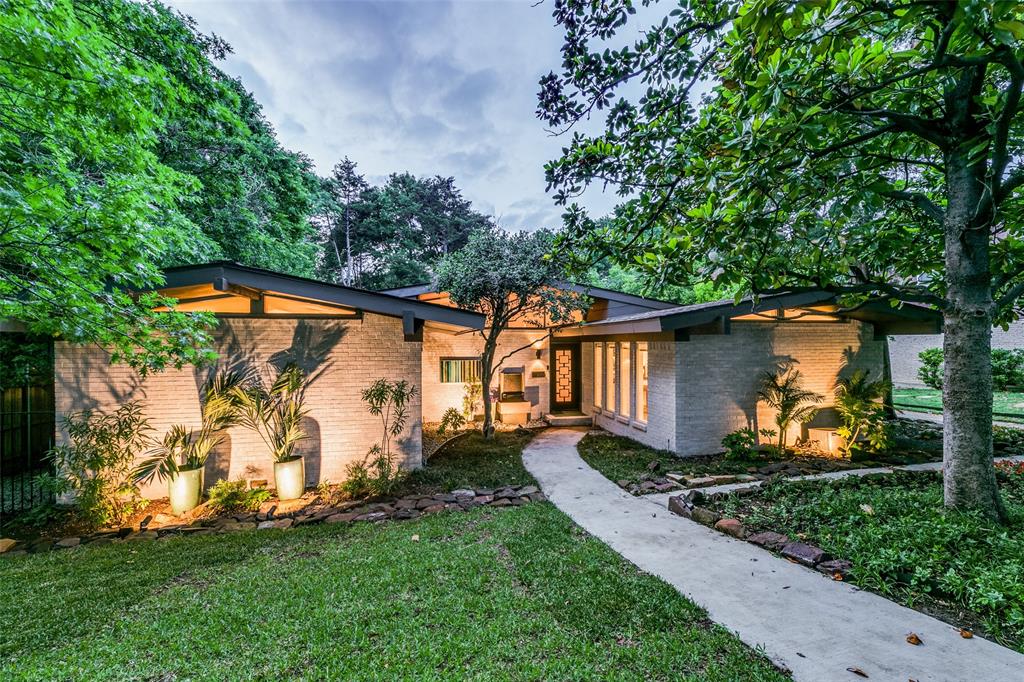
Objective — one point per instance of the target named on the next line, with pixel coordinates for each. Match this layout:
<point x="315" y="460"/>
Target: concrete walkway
<point x="806" y="622"/>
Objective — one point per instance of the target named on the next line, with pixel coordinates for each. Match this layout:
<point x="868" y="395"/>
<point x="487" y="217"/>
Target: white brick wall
<point x="720" y="375"/>
<point x="704" y="388"/>
<point x="440" y="396"/>
<point x="342" y="356"/>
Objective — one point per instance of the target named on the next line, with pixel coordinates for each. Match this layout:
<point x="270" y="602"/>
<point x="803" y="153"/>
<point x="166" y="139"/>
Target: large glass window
<point x="641" y="381"/>
<point x="611" y="399"/>
<point x="625" y="377"/>
<point x="460" y="370"/>
<point x="598" y="375"/>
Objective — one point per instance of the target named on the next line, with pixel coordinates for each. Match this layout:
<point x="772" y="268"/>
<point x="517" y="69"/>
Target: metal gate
<point x="26" y="425"/>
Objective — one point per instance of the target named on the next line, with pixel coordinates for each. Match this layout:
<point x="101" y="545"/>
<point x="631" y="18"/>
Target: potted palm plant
<point x="276" y="415"/>
<point x="181" y="455"/>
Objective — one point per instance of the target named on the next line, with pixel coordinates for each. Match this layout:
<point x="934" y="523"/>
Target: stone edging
<point x="409" y="507"/>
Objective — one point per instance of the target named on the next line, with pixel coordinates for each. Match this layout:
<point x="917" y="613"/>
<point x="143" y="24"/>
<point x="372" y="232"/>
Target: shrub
<point x="930" y="371"/>
<point x="228" y="496"/>
<point x="451" y="420"/>
<point x="1007" y="368"/>
<point x="97" y="463"/>
<point x="781" y="391"/>
<point x="472" y="399"/>
<point x="275" y="414"/>
<point x="858" y="402"/>
<point x="739" y="444"/>
<point x="377" y="474"/>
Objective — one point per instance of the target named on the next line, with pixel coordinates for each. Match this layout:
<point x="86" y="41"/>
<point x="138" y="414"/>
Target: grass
<point x="1007" y="405"/>
<point x="507" y="594"/>
<point x="472" y="462"/>
<point x="906" y="546"/>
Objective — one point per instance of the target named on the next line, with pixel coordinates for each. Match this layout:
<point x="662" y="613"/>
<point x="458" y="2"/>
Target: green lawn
<point x="508" y="594"/>
<point x="1007" y="405"/>
<point x="905" y="545"/>
<point x="472" y="462"/>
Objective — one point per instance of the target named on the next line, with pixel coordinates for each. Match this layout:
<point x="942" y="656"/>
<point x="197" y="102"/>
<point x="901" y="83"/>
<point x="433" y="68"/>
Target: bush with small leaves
<point x="229" y="496"/>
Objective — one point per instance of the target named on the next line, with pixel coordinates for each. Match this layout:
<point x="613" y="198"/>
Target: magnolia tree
<point x="870" y="149"/>
<point x="509" y="278"/>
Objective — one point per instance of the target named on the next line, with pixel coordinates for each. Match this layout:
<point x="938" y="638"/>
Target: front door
<point x="565" y="377"/>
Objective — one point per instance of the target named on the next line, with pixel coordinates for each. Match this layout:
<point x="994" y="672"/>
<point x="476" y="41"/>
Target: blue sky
<point x="432" y="87"/>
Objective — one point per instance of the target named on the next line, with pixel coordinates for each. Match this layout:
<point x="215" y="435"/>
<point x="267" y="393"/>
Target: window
<point x="625" y="377"/>
<point x="611" y="403"/>
<point x="598" y="375"/>
<point x="460" y="370"/>
<point x="641" y="381"/>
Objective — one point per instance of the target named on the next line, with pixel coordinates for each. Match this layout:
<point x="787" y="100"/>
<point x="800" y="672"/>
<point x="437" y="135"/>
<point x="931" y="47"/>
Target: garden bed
<point x="472" y="472"/>
<point x="889" y="533"/>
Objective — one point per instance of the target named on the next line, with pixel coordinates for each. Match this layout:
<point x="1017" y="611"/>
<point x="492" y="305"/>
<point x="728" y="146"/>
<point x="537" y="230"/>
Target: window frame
<point x="598" y="359"/>
<point x="461" y="359"/>
<point x="637" y="369"/>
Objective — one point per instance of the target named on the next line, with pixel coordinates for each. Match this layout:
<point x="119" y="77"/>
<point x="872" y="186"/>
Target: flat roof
<point x="226" y="273"/>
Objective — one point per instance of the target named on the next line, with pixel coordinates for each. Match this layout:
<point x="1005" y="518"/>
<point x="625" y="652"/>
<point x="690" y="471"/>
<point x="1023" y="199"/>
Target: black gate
<point x="26" y="421"/>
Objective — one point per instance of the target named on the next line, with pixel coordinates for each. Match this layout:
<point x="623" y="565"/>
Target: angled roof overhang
<point x="788" y="307"/>
<point x="254" y="284"/>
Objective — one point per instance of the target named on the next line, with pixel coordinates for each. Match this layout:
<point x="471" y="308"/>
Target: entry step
<point x="569" y="419"/>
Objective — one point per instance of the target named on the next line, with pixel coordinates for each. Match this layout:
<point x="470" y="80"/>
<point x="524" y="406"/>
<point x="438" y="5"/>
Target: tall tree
<point x="507" y="277"/>
<point x="345" y="189"/>
<point x="86" y="207"/>
<point x="871" y="149"/>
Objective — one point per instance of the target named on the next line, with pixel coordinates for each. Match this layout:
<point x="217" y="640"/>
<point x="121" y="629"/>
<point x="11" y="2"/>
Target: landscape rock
<point x="699" y="481"/>
<point x="769" y="540"/>
<point x="704" y="516"/>
<point x="724" y="479"/>
<point x="7" y="544"/>
<point x="464" y="492"/>
<point x="675" y="476"/>
<point x="343" y="517"/>
<point x="622" y="483"/>
<point x="731" y="527"/>
<point x="502" y="502"/>
<point x="801" y="552"/>
<point x="426" y="502"/>
<point x="653" y="465"/>
<point x="264" y="525"/>
<point x="538" y="497"/>
<point x="832" y="567"/>
<point x="433" y="508"/>
<point x="679" y="504"/>
<point x="372" y="516"/>
<point x="665" y="487"/>
<point x="528" y="490"/>
<point x="67" y="543"/>
<point x="405" y="514"/>
<point x="484" y="499"/>
<point x="406" y="503"/>
<point x="141" y="535"/>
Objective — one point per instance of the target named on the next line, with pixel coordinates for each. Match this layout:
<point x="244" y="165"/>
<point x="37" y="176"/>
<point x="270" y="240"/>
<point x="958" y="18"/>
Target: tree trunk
<point x="486" y="373"/>
<point x="350" y="277"/>
<point x="970" y="482"/>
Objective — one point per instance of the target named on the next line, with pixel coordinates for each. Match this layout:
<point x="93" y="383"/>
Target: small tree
<point x="782" y="392"/>
<point x="376" y="473"/>
<point x="275" y="414"/>
<point x="508" y="277"/>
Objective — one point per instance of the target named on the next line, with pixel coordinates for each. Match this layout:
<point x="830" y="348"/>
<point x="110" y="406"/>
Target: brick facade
<point x="438" y="396"/>
<point x="341" y="356"/>
<point x="702" y="389"/>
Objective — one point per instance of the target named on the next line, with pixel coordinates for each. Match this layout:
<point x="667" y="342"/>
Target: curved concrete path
<point x="806" y="622"/>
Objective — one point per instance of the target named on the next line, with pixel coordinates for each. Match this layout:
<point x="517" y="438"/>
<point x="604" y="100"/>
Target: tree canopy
<point x="871" y="149"/>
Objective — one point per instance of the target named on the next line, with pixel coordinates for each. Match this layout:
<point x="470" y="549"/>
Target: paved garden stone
<point x="731" y="527"/>
<point x="343" y="517"/>
<point x="7" y="544"/>
<point x="264" y="525"/>
<point x="704" y="516"/>
<point x="67" y="543"/>
<point x="808" y="555"/>
<point x="816" y="627"/>
<point x="834" y="566"/>
<point x="769" y="540"/>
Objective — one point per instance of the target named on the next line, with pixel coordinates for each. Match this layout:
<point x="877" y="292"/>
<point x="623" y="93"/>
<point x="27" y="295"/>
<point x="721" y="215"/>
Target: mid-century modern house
<point x="674" y="377"/>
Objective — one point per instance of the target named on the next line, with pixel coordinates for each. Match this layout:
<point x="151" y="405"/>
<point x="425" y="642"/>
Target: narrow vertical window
<point x="641" y="381"/>
<point x="598" y="375"/>
<point x="625" y="378"/>
<point x="611" y="400"/>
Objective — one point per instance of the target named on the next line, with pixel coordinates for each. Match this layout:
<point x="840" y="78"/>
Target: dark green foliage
<point x="1007" y="368"/>
<point x="228" y="496"/>
<point x="95" y="467"/>
<point x="623" y="459"/>
<point x="904" y="545"/>
<point x="930" y="371"/>
<point x="740" y="444"/>
<point x="781" y="391"/>
<point x="859" y="403"/>
<point x="472" y="462"/>
<point x="274" y="413"/>
<point x="377" y="474"/>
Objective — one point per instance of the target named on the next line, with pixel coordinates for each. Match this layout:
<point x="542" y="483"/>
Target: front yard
<point x="903" y="544"/>
<point x="508" y="593"/>
<point x="1007" y="406"/>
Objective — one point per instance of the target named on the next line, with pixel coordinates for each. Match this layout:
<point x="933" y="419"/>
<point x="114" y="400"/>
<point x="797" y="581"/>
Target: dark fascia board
<point x="618" y="296"/>
<point x="728" y="309"/>
<point x="596" y="292"/>
<point x="371" y="301"/>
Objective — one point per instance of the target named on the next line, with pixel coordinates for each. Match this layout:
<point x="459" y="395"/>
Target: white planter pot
<point x="185" y="489"/>
<point x="290" y="478"/>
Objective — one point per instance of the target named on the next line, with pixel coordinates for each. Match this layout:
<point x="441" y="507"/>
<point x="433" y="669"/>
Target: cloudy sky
<point x="429" y="86"/>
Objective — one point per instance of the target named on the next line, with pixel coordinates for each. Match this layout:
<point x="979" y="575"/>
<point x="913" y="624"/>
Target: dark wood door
<point x="565" y="377"/>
